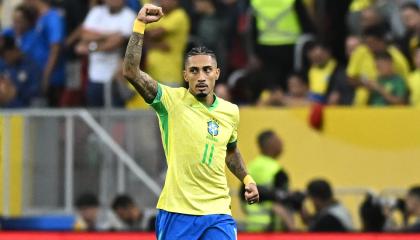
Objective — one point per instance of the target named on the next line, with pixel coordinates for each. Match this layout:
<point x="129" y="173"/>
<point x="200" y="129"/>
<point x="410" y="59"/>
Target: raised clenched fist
<point x="150" y="13"/>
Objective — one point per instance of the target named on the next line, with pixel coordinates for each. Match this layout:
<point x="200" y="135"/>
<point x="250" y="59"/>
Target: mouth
<point x="201" y="86"/>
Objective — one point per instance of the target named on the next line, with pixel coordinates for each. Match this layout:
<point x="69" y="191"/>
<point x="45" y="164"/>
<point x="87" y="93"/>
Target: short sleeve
<point x="234" y="137"/>
<point x="55" y="29"/>
<point x="92" y="19"/>
<point x="165" y="98"/>
<point x="353" y="69"/>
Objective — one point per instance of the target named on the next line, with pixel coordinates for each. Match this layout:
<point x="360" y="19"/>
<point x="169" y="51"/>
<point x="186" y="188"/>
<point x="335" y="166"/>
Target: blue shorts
<point x="173" y="226"/>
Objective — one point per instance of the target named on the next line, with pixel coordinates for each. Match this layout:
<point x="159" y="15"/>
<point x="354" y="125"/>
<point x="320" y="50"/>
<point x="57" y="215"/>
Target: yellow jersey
<point x="195" y="139"/>
<point x="362" y="65"/>
<point x="414" y="86"/>
<point x="166" y="65"/>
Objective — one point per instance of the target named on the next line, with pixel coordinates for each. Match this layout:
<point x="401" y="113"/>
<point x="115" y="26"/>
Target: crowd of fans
<point x="64" y="53"/>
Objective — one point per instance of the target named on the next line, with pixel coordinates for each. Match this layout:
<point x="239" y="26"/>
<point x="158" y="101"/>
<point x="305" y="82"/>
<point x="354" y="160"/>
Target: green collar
<point x="215" y="103"/>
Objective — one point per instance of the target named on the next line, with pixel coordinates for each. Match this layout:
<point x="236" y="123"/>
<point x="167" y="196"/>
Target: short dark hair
<point x="263" y="137"/>
<point x="410" y="5"/>
<point x="321" y="189"/>
<point x="29" y="13"/>
<point x="414" y="191"/>
<point x="87" y="200"/>
<point x="7" y="43"/>
<point x="200" y="50"/>
<point x="318" y="43"/>
<point x="122" y="201"/>
<point x="385" y="55"/>
<point x="378" y="31"/>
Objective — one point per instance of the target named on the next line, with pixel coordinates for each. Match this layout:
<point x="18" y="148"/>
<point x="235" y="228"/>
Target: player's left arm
<point x="236" y="165"/>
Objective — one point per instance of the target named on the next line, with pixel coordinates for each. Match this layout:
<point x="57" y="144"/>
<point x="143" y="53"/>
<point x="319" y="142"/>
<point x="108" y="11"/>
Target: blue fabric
<point x="172" y="226"/>
<point x="50" y="30"/>
<point x="26" y="42"/>
<point x="26" y="77"/>
<point x="133" y="4"/>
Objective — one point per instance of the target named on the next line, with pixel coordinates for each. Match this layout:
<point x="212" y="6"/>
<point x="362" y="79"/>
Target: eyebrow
<point x="203" y="67"/>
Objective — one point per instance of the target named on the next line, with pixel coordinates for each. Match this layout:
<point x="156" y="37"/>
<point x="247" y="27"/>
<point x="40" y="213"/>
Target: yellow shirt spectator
<point x="414" y="86"/>
<point x="165" y="64"/>
<point x="362" y="66"/>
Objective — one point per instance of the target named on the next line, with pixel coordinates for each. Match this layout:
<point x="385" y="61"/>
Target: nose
<point x="202" y="76"/>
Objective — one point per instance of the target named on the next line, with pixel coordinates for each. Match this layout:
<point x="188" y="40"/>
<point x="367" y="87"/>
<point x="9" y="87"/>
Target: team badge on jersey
<point x="213" y="128"/>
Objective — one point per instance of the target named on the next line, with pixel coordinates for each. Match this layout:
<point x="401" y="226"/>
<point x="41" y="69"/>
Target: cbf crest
<point x="213" y="128"/>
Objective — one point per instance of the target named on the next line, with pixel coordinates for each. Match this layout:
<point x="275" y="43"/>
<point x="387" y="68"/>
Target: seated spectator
<point x="296" y="96"/>
<point x="325" y="75"/>
<point x="372" y="214"/>
<point x="330" y="215"/>
<point x="414" y="81"/>
<point x="20" y="76"/>
<point x="410" y="14"/>
<point x="134" y="218"/>
<point x="390" y="88"/>
<point x="91" y="218"/>
<point x="362" y="66"/>
<point x="413" y="208"/>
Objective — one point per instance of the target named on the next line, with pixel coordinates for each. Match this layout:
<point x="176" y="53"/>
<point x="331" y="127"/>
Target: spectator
<point x="265" y="169"/>
<point x="210" y="26"/>
<point x="413" y="208"/>
<point x="390" y="88"/>
<point x="330" y="215"/>
<point x="410" y="14"/>
<point x="296" y="96"/>
<point x="362" y="68"/>
<point x="325" y="76"/>
<point x="134" y="218"/>
<point x="272" y="36"/>
<point x="414" y="80"/>
<point x="23" y="31"/>
<point x="50" y="35"/>
<point x="166" y="41"/>
<point x="372" y="214"/>
<point x="105" y="31"/>
<point x="19" y="77"/>
<point x="91" y="218"/>
<point x="352" y="42"/>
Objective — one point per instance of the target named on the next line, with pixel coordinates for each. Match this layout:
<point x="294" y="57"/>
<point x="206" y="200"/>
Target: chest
<point x="197" y="123"/>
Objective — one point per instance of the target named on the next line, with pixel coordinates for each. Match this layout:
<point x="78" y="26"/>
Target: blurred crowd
<point x="316" y="208"/>
<point x="68" y="53"/>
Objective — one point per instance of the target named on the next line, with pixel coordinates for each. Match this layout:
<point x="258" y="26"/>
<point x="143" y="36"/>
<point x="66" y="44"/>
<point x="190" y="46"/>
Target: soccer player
<point x="199" y="134"/>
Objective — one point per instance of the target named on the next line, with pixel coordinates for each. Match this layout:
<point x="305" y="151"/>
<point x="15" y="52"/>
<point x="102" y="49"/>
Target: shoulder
<point x="97" y="10"/>
<point x="230" y="108"/>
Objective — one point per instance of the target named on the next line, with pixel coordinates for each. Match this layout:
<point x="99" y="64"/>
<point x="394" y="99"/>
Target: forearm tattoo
<point x="236" y="164"/>
<point x="142" y="82"/>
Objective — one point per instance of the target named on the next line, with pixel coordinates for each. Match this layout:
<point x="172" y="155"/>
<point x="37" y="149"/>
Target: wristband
<point x="248" y="179"/>
<point x="139" y="26"/>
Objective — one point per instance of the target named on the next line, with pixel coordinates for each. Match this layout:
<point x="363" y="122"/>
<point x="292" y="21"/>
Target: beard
<point x="201" y="95"/>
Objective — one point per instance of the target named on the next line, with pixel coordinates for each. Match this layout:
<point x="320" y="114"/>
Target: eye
<point x="207" y="69"/>
<point x="193" y="70"/>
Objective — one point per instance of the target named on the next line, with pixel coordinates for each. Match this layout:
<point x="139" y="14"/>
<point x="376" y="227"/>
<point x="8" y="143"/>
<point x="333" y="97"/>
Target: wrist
<point x="248" y="179"/>
<point x="139" y="26"/>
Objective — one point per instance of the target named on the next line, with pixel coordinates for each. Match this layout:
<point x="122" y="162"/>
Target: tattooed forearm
<point x="236" y="164"/>
<point x="142" y="82"/>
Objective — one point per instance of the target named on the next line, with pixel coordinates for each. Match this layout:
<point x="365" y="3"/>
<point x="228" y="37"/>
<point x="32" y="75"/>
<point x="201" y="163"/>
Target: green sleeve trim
<point x="231" y="145"/>
<point x="163" y="116"/>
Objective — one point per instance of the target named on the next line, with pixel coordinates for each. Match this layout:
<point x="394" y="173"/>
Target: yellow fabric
<point x="319" y="77"/>
<point x="136" y="102"/>
<point x="166" y="66"/>
<point x="277" y="22"/>
<point x="263" y="169"/>
<point x="414" y="86"/>
<point x="138" y="26"/>
<point x="248" y="179"/>
<point x="362" y="66"/>
<point x="195" y="139"/>
<point x="359" y="5"/>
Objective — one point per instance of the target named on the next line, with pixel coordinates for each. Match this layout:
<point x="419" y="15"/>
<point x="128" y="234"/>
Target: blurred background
<point x="329" y="94"/>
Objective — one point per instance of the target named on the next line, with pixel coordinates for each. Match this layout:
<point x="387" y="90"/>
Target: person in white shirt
<point x="104" y="34"/>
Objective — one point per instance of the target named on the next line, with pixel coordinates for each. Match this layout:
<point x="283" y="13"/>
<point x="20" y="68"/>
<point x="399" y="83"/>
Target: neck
<point x="207" y="100"/>
<point x="115" y="10"/>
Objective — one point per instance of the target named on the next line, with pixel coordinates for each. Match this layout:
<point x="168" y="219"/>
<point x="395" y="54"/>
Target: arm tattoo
<point x="236" y="164"/>
<point x="142" y="82"/>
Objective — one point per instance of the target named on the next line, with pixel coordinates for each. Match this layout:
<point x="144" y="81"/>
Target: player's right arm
<point x="141" y="81"/>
